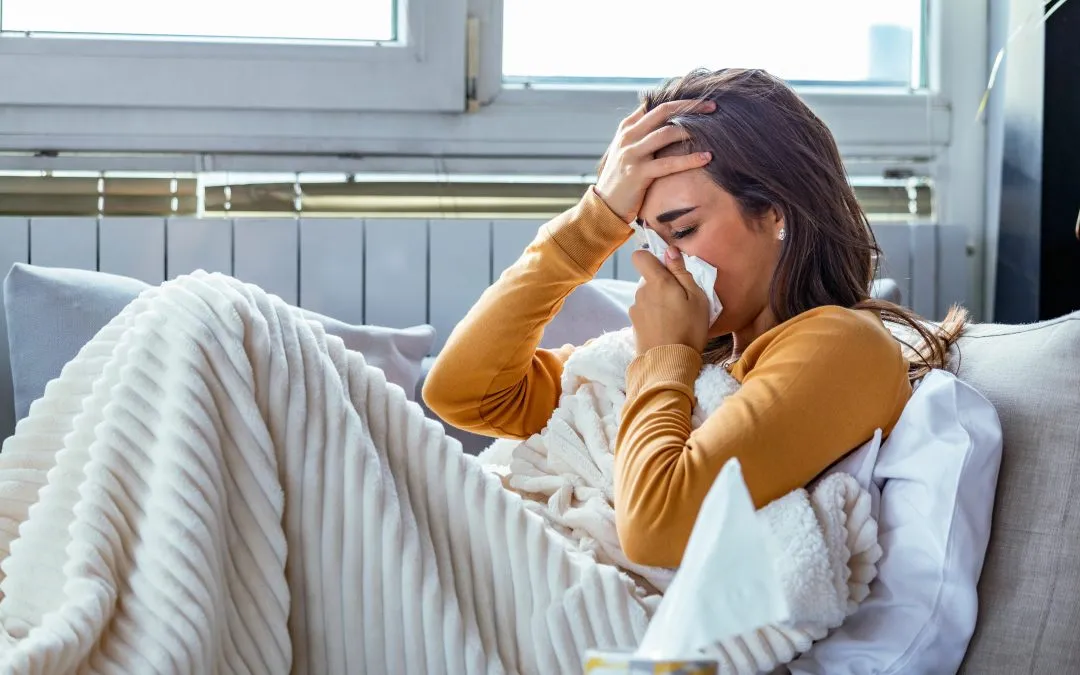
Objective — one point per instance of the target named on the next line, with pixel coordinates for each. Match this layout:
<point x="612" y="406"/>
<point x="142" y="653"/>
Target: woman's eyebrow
<point x="674" y="214"/>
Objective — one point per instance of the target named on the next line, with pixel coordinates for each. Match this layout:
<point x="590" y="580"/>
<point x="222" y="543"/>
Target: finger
<point x="659" y="139"/>
<point x="647" y="264"/>
<point x="676" y="264"/>
<point x="666" y="166"/>
<point x="659" y="116"/>
<point x="633" y="117"/>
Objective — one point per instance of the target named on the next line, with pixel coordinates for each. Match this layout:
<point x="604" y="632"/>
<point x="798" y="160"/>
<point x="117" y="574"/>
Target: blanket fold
<point x="215" y="485"/>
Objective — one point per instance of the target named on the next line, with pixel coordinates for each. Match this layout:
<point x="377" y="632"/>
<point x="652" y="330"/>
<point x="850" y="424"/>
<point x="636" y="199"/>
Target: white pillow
<point x="937" y="474"/>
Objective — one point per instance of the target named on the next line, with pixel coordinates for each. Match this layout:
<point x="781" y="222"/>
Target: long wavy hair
<point x="770" y="151"/>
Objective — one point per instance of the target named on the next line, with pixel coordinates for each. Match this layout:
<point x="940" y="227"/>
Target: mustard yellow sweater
<point x="813" y="388"/>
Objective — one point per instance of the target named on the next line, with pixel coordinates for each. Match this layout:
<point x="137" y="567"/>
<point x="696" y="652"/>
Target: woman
<point x="732" y="167"/>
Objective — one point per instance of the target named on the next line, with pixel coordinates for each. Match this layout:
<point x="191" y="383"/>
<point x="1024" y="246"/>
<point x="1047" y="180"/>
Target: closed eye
<point x="668" y="217"/>
<point x="685" y="232"/>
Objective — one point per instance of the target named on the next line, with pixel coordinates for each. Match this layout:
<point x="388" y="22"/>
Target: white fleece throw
<point x="215" y="485"/>
<point x="827" y="537"/>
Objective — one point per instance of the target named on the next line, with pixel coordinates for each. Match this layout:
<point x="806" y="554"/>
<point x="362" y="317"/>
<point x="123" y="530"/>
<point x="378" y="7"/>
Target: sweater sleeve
<point x="491" y="378"/>
<point x="818" y="388"/>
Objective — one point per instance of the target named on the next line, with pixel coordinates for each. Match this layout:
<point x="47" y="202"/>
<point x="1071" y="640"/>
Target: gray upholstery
<point x="887" y="289"/>
<point x="52" y="312"/>
<point x="1029" y="592"/>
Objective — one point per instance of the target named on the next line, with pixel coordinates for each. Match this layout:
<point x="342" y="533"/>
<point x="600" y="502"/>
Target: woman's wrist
<point x="607" y="200"/>
<point x="673" y="366"/>
<point x="589" y="232"/>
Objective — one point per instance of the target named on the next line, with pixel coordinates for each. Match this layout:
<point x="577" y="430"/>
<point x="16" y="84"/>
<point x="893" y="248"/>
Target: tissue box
<point x="625" y="663"/>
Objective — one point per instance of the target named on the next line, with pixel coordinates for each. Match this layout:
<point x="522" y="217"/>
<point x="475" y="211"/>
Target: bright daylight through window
<point x="354" y="20"/>
<point x="853" y="42"/>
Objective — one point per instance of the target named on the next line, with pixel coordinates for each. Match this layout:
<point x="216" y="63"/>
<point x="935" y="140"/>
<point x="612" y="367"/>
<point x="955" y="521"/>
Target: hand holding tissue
<point x="704" y="274"/>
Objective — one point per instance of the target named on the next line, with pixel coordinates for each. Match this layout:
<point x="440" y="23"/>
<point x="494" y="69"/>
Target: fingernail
<point x="707" y="156"/>
<point x="673" y="253"/>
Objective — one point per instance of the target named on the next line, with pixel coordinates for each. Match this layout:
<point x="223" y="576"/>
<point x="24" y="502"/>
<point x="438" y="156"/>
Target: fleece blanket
<point x="215" y="485"/>
<point x="826" y="538"/>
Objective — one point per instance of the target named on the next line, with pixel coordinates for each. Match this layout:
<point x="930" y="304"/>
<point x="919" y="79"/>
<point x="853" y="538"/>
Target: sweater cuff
<point x="590" y="232"/>
<point x="666" y="367"/>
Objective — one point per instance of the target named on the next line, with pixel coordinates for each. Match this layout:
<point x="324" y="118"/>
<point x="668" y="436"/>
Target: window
<point x="386" y="85"/>
<point x="570" y="69"/>
<point x="315" y="89"/>
<point x="320" y="55"/>
<point x="861" y="42"/>
<point x="364" y="20"/>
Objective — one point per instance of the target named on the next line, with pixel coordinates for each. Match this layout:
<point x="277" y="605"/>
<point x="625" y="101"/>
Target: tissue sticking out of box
<point x="727" y="584"/>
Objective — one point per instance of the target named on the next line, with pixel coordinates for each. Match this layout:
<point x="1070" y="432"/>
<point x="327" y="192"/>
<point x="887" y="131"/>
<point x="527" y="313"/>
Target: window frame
<point x="324" y="118"/>
<point x="421" y="72"/>
<point x="519" y="124"/>
<point x="934" y="132"/>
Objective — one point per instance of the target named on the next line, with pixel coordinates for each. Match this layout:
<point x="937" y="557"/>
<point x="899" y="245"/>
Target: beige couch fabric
<point x="1029" y="592"/>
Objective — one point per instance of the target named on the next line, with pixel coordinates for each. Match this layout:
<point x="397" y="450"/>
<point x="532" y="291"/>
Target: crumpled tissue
<point x="704" y="274"/>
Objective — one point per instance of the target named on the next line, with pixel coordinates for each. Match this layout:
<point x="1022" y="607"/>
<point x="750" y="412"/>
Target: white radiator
<point x="386" y="272"/>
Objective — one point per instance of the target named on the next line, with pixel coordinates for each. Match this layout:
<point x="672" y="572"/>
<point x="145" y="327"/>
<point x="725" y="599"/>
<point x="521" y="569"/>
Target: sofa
<point x="1029" y="591"/>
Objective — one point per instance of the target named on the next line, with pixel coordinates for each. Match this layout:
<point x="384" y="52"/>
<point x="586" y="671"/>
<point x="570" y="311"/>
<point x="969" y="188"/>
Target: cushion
<point x="1029" y="593"/>
<point x="887" y="289"/>
<point x="934" y="479"/>
<point x="52" y="312"/>
<point x="592" y="309"/>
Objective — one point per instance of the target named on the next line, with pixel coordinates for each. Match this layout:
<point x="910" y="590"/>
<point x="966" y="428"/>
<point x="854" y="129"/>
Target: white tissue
<point x="727" y="584"/>
<point x="704" y="274"/>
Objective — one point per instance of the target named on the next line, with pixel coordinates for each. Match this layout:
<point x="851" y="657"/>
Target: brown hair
<point x="770" y="151"/>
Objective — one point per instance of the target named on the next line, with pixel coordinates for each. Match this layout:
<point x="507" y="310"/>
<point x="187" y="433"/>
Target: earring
<point x="782" y="234"/>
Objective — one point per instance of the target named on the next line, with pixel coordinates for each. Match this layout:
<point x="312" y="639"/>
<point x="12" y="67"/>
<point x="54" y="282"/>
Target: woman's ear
<point x="774" y="221"/>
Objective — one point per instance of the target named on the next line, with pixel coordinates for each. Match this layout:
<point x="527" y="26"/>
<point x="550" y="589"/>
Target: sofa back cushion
<point x="1029" y="592"/>
<point x="52" y="312"/>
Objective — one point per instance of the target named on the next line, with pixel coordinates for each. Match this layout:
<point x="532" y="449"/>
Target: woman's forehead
<point x="680" y="191"/>
<point x="684" y="184"/>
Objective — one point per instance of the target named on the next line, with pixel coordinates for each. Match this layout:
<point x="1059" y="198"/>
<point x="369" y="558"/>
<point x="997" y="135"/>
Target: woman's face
<point x="692" y="212"/>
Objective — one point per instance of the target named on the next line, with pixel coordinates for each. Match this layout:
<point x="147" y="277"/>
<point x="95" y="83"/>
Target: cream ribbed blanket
<point x="215" y="485"/>
<point x="224" y="488"/>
